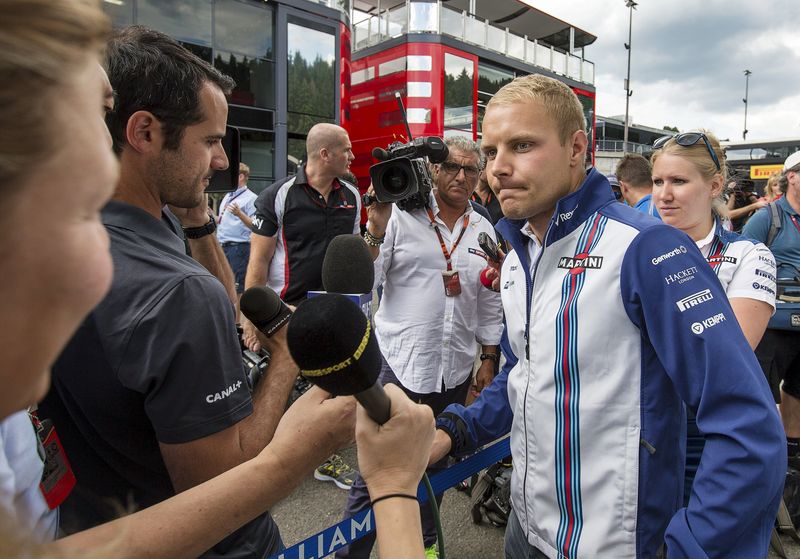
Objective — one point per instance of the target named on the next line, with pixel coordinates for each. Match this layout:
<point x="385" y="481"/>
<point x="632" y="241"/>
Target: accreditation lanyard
<point x="447" y="254"/>
<point x="796" y="225"/>
<point x="228" y="203"/>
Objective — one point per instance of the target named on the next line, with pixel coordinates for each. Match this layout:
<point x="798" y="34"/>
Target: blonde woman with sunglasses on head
<point x="689" y="175"/>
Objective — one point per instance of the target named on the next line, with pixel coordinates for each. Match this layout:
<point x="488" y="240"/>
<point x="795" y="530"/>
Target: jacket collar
<point x="571" y="211"/>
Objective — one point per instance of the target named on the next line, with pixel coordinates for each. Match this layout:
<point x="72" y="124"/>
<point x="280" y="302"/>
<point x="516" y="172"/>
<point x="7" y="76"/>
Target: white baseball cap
<point x="792" y="161"/>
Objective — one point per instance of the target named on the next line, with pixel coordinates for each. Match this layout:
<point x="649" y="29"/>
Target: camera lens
<point x="395" y="180"/>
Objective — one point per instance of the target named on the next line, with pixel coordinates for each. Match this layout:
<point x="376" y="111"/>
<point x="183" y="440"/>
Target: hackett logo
<point x="582" y="261"/>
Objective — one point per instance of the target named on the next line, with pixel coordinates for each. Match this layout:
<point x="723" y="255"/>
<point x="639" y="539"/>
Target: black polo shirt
<point x="304" y="224"/>
<point x="158" y="360"/>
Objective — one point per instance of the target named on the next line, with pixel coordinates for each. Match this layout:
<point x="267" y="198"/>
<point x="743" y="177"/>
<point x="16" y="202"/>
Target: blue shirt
<point x="230" y="228"/>
<point x="786" y="245"/>
<point x="645" y="205"/>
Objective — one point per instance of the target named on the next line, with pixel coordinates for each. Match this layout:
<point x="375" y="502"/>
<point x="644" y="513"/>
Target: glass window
<point x="311" y="81"/>
<point x="255" y="79"/>
<point x="258" y="151"/>
<point x="419" y="62"/>
<point x="120" y="12"/>
<point x="423" y="16"/>
<point x="452" y="22"/>
<point x="392" y="66"/>
<point x="188" y="20"/>
<point x="516" y="46"/>
<point x="490" y="80"/>
<point x="243" y="28"/>
<point x="199" y="50"/>
<point x="296" y="149"/>
<point x="458" y="90"/>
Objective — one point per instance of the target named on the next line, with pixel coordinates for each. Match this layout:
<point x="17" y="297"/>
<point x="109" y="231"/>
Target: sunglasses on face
<point x="454" y="168"/>
<point x="688" y="139"/>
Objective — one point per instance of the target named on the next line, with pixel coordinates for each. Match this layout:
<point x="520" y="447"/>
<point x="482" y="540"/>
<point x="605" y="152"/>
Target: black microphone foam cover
<point x="262" y="306"/>
<point x="380" y="154"/>
<point x="347" y="267"/>
<point x="332" y="342"/>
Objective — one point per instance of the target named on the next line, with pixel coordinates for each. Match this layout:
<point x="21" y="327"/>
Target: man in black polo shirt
<point x="297" y="217"/>
<point x="150" y="396"/>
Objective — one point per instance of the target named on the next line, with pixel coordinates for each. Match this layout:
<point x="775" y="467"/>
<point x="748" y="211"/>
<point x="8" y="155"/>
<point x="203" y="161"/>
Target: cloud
<point x="688" y="60"/>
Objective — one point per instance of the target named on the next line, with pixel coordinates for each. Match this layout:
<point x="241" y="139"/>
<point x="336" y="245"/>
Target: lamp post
<point x="628" y="92"/>
<point x="746" y="87"/>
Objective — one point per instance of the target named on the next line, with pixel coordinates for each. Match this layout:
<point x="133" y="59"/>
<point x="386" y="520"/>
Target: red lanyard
<point x="447" y="253"/>
<point x="796" y="225"/>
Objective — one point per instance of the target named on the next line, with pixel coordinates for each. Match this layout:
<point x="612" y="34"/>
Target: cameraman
<point x="434" y="309"/>
<point x="742" y="203"/>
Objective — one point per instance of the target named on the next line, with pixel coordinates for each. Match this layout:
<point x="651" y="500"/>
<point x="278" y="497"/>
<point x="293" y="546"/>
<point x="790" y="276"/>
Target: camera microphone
<point x="262" y="306"/>
<point x="332" y="342"/>
<point x="380" y="154"/>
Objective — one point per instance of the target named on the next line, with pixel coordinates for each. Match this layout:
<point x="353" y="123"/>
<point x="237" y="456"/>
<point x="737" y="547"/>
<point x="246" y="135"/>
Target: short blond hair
<point x="556" y="97"/>
<point x="244" y="169"/>
<point x="43" y="46"/>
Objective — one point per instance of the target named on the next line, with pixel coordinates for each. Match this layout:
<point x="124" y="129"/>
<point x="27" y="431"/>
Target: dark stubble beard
<point x="174" y="186"/>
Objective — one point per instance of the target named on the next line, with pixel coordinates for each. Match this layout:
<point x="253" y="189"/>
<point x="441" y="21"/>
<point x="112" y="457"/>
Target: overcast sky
<point x="688" y="62"/>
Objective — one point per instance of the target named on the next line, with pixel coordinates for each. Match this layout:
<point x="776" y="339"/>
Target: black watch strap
<point x="202" y="231"/>
<point x="493" y="356"/>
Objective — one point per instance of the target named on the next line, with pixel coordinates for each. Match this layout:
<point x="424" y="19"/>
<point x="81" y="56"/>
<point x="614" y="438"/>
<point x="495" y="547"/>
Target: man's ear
<point x="578" y="144"/>
<point x="143" y="132"/>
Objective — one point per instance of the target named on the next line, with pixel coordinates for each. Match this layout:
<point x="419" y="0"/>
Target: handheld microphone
<point x="332" y="342"/>
<point x="262" y="306"/>
<point x="347" y="269"/>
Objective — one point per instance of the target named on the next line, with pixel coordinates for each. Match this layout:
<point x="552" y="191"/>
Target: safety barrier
<point x="349" y="530"/>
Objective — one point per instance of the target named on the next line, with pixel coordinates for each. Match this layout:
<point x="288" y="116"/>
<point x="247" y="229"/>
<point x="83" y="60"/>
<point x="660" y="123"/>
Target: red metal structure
<point x="446" y="59"/>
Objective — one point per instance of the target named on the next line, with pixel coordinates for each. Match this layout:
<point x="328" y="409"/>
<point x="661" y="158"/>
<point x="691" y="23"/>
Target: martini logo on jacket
<point x="580" y="262"/>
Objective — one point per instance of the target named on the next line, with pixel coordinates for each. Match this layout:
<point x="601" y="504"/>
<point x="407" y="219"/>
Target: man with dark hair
<point x="150" y="395"/>
<point x="634" y="175"/>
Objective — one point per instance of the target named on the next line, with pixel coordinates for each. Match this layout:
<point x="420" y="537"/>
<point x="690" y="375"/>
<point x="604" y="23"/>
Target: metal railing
<point x="619" y="145"/>
<point x="425" y="17"/>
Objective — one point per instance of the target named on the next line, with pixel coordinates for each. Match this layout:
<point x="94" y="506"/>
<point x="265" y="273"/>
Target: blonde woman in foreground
<point x="57" y="171"/>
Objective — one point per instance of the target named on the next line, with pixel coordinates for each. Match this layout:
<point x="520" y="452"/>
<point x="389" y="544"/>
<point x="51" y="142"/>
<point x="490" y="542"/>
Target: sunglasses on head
<point x="688" y="139"/>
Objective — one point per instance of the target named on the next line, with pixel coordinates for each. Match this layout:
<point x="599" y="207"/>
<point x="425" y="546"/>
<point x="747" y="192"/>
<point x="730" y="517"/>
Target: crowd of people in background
<point x="602" y="335"/>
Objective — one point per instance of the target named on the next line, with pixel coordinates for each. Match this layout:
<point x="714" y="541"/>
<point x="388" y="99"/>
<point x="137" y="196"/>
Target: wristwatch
<point x="202" y="231"/>
<point x="492" y="356"/>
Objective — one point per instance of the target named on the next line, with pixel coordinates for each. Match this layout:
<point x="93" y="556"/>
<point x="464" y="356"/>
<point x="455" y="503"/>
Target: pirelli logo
<point x="695" y="299"/>
<point x="580" y="261"/>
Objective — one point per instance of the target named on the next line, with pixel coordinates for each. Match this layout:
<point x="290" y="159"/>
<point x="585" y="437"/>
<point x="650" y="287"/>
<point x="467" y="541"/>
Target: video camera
<point x="402" y="176"/>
